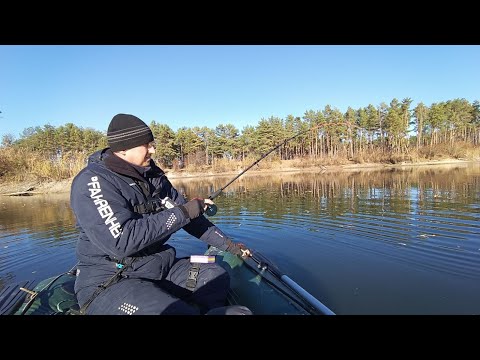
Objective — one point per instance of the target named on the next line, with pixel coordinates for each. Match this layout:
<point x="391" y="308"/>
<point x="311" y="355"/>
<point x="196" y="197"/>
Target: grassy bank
<point x="32" y="185"/>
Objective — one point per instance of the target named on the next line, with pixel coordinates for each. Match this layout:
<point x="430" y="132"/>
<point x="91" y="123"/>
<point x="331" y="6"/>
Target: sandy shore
<point x="63" y="186"/>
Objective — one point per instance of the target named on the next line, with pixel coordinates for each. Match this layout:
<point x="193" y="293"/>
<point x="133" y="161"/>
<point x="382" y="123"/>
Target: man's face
<point x="140" y="155"/>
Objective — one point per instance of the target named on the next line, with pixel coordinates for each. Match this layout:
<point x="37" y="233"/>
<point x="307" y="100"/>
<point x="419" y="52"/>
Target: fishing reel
<point x="211" y="209"/>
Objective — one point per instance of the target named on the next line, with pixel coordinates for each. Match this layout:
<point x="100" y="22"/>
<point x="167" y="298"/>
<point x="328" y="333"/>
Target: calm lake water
<point x="397" y="241"/>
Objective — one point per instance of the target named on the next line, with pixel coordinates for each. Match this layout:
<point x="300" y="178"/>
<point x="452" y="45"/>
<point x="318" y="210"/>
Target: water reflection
<point x="35" y="212"/>
<point x="363" y="240"/>
<point x="395" y="241"/>
<point x="37" y="236"/>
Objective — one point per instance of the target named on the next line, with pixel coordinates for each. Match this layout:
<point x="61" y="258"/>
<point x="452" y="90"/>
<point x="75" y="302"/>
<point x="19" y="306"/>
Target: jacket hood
<point x="97" y="157"/>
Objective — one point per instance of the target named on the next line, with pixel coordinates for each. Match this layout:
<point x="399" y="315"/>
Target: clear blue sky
<point x="219" y="84"/>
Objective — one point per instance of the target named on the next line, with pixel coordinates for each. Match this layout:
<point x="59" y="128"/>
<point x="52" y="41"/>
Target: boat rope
<point x="32" y="297"/>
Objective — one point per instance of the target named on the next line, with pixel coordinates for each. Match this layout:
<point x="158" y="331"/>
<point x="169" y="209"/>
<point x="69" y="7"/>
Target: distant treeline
<point x="372" y="133"/>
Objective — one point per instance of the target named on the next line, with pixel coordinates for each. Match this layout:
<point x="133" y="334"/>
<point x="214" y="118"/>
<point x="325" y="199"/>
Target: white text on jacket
<point x="103" y="207"/>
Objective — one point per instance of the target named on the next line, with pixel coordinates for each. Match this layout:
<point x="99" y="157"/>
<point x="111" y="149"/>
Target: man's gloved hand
<point x="238" y="249"/>
<point x="194" y="208"/>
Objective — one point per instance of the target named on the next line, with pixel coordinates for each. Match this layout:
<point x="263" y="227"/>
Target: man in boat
<point x="126" y="210"/>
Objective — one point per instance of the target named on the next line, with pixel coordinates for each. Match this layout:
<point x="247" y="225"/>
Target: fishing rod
<point x="212" y="209"/>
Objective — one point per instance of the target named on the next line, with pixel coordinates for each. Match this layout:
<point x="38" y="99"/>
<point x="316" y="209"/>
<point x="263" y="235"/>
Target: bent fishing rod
<point x="212" y="209"/>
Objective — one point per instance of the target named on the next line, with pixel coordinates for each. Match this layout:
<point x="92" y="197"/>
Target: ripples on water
<point x="396" y="242"/>
<point x="373" y="242"/>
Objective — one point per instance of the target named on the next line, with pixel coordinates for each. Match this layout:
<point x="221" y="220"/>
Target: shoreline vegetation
<point x="46" y="159"/>
<point x="34" y="186"/>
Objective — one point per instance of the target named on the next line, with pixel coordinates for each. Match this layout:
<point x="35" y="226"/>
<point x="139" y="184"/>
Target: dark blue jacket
<point x="103" y="196"/>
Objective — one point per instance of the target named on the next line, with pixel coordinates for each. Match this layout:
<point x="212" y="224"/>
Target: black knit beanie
<point x="126" y="132"/>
